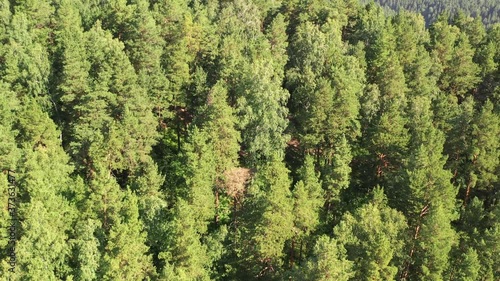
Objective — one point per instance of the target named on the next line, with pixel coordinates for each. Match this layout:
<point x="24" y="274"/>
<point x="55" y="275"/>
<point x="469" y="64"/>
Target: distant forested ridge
<point x="487" y="10"/>
<point x="306" y="140"/>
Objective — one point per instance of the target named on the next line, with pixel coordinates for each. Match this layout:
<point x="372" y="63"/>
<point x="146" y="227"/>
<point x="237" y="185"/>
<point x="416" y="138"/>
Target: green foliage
<point x="186" y="258"/>
<point x="262" y="111"/>
<point x="452" y="49"/>
<point x="9" y="104"/>
<point x="86" y="250"/>
<point x="26" y="65"/>
<point x="125" y="256"/>
<point x="325" y="84"/>
<point x="115" y="123"/>
<point x="45" y="214"/>
<point x="266" y="223"/>
<point x="328" y="262"/>
<point x="250" y="140"/>
<point x="220" y="123"/>
<point x="486" y="148"/>
<point x="200" y="178"/>
<point x="308" y="200"/>
<point x="429" y="203"/>
<point x="434" y="242"/>
<point x="373" y="238"/>
<point x="486" y="11"/>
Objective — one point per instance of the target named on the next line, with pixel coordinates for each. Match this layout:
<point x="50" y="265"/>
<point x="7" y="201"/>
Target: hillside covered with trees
<point x="487" y="10"/>
<point x="246" y="140"/>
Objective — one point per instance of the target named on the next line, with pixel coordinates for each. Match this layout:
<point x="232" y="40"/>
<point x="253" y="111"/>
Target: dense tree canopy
<point x="488" y="11"/>
<point x="249" y="140"/>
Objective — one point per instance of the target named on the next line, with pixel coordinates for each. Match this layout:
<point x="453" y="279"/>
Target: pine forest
<point x="228" y="140"/>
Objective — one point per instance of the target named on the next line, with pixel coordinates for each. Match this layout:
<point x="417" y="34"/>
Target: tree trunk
<point x="216" y="205"/>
